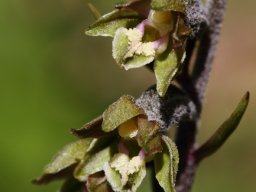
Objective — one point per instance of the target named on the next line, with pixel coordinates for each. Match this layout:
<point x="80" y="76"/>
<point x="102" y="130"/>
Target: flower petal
<point x="166" y="165"/>
<point x="113" y="177"/>
<point x="70" y="155"/>
<point x="136" y="178"/>
<point x="165" y="68"/>
<point x="109" y="23"/>
<point x="119" y="112"/>
<point x="90" y="129"/>
<point x="102" y="150"/>
<point x="137" y="61"/>
<point x="129" y="129"/>
<point x="124" y="174"/>
<point x="148" y="136"/>
<point x="120" y="45"/>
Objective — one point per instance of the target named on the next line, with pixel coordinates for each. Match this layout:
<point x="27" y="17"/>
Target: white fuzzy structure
<point x="168" y="111"/>
<point x="136" y="46"/>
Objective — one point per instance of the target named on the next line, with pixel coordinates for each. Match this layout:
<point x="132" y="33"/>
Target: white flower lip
<point x="136" y="46"/>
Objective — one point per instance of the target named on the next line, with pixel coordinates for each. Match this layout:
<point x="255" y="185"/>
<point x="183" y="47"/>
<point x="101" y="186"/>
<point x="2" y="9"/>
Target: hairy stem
<point x="195" y="85"/>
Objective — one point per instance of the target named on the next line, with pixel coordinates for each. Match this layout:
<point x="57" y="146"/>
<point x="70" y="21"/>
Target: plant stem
<point x="195" y="85"/>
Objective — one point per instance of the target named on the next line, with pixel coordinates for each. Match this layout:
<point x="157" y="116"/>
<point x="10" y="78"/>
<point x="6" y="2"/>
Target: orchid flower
<point x="147" y="32"/>
<point x="112" y="152"/>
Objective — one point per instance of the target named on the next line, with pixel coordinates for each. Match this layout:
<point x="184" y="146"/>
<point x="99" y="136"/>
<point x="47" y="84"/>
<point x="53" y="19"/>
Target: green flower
<point x="112" y="153"/>
<point x="147" y="32"/>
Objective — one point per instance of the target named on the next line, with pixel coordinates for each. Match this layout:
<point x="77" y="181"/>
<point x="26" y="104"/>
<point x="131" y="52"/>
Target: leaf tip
<point x="247" y="96"/>
<point x="88" y="32"/>
<point x="161" y="90"/>
<point x="224" y="131"/>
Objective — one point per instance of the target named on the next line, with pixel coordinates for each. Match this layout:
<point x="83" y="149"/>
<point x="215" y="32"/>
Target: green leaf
<point x="224" y="131"/>
<point x="119" y="112"/>
<point x="169" y="5"/>
<point x="148" y="136"/>
<point x="70" y="155"/>
<point x="166" y="165"/>
<point x="109" y="23"/>
<point x="165" y="68"/>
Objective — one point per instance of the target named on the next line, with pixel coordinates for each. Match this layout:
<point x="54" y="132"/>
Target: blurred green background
<point x="53" y="77"/>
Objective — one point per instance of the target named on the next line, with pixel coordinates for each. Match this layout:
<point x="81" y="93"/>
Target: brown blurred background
<point x="53" y="77"/>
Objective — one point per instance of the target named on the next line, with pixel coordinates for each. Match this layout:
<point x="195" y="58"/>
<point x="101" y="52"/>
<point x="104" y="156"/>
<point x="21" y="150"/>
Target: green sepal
<point x="119" y="112"/>
<point x="109" y="23"/>
<point x="92" y="163"/>
<point x="120" y="46"/>
<point x="148" y="136"/>
<point x="113" y="177"/>
<point x="90" y="129"/>
<point x="101" y="151"/>
<point x="137" y="61"/>
<point x="169" y="5"/>
<point x="166" y="165"/>
<point x="65" y="160"/>
<point x="140" y="6"/>
<point x="165" y="68"/>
